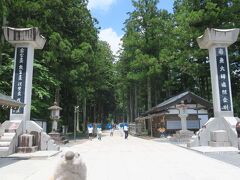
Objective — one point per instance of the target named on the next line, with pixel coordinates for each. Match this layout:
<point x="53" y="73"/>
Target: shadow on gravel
<point x="5" y="161"/>
<point x="230" y="158"/>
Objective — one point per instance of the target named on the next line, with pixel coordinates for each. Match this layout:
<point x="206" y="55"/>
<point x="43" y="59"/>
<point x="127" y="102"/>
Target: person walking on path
<point x="99" y="132"/>
<point x="238" y="133"/>
<point x="90" y="131"/>
<point x="111" y="130"/>
<point x="121" y="129"/>
<point x="125" y="128"/>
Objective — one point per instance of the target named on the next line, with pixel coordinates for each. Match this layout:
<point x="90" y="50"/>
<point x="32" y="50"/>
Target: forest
<point x="159" y="57"/>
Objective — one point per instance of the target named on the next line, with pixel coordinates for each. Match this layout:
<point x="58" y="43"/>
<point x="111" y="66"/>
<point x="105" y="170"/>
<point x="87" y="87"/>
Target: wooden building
<point x="7" y="101"/>
<point x="166" y="115"/>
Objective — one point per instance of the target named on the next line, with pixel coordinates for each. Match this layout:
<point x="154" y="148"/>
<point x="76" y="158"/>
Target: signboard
<point x="20" y="78"/>
<point x="223" y="79"/>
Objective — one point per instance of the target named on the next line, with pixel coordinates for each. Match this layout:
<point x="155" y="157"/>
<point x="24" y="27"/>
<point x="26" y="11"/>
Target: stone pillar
<point x="54" y="126"/>
<point x="25" y="40"/>
<point x="217" y="41"/>
<point x="183" y="121"/>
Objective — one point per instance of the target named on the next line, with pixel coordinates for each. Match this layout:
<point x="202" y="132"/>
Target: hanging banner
<point x="20" y="78"/>
<point x="223" y="81"/>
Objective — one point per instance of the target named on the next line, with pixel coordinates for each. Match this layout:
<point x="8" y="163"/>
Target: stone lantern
<point x="183" y="115"/>
<point x="184" y="134"/>
<point x="55" y="115"/>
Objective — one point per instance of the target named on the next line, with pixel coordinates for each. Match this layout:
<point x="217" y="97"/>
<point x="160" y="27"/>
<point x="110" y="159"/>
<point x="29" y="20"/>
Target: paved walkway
<point x="114" y="158"/>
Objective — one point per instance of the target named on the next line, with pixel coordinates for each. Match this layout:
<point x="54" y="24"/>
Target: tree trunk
<point x="149" y="95"/>
<point x="123" y="117"/>
<point x="57" y="96"/>
<point x="77" y="124"/>
<point x="4" y="23"/>
<point x="136" y="102"/>
<point x="156" y="94"/>
<point x="203" y="90"/>
<point x="124" y="110"/>
<point x="94" y="113"/>
<point x="84" y="113"/>
<point x="128" y="109"/>
<point x="102" y="110"/>
<point x="99" y="112"/>
<point x="131" y="105"/>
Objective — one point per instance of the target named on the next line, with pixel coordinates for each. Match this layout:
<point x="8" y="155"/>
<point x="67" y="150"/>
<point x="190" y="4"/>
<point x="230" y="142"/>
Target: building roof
<point x="189" y="96"/>
<point x="8" y="101"/>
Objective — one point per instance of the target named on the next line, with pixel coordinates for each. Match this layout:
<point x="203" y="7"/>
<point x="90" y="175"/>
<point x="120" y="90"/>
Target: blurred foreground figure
<point x="70" y="167"/>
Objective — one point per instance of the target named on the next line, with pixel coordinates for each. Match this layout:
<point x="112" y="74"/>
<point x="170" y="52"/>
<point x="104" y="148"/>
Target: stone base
<point x="182" y="136"/>
<point x="26" y="144"/>
<point x="27" y="149"/>
<point x="219" y="144"/>
<point x="219" y="138"/>
<point x="219" y="135"/>
<point x="217" y="132"/>
<point x="58" y="138"/>
<point x="185" y="133"/>
<point x="26" y="140"/>
<point x="55" y="136"/>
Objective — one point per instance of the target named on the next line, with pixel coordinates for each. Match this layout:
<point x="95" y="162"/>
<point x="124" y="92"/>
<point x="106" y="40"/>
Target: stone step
<point x="3" y="148"/>
<point x="27" y="149"/>
<point x="5" y="143"/>
<point x="10" y="130"/>
<point x="9" y="134"/>
<point x="6" y="138"/>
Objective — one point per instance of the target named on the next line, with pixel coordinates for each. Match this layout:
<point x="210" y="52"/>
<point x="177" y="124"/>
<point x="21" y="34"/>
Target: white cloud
<point x="100" y="4"/>
<point x="112" y="38"/>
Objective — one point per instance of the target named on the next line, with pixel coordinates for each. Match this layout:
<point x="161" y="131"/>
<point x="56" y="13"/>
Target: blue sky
<point x="111" y="15"/>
